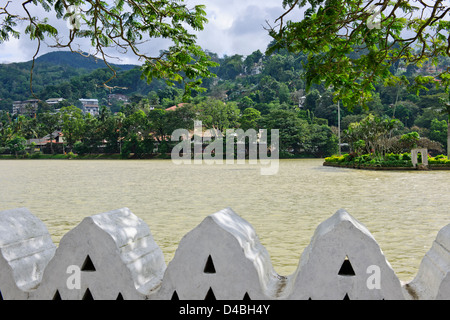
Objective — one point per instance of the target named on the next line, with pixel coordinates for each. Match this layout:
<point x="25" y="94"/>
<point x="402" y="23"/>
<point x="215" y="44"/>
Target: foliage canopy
<point x="124" y="25"/>
<point x="353" y="45"/>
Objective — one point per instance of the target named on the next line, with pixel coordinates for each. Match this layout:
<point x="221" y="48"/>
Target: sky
<point x="234" y="27"/>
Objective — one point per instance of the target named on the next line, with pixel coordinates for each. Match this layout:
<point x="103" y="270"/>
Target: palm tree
<point x="119" y="121"/>
<point x="448" y="130"/>
<point x="49" y="123"/>
<point x="445" y="109"/>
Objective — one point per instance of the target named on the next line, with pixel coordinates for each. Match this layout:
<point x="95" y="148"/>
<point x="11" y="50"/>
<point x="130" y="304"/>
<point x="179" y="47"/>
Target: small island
<point x="376" y="144"/>
<point x="391" y="161"/>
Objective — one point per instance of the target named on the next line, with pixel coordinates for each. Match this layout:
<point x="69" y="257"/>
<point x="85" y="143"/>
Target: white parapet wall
<point x="113" y="255"/>
<point x="222" y="259"/>
<point x="433" y="279"/>
<point x="25" y="250"/>
<point x="343" y="261"/>
<point x="107" y="256"/>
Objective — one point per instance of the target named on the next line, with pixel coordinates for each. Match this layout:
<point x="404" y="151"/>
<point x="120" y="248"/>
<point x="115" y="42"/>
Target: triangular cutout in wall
<point x="87" y="295"/>
<point x="346" y="268"/>
<point x="210" y="295"/>
<point x="88" y="265"/>
<point x="209" y="266"/>
<point x="57" y="296"/>
<point x="175" y="296"/>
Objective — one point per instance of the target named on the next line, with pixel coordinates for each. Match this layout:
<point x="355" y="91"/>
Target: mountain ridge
<point x="77" y="60"/>
<point x="52" y="71"/>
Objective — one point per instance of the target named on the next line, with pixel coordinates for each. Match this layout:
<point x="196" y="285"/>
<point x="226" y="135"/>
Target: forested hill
<point x="266" y="87"/>
<point x="262" y="82"/>
<point x="51" y="70"/>
<point x="77" y="61"/>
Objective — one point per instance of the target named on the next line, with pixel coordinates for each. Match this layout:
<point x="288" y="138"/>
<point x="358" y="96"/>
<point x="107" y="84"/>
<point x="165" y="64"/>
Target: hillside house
<point x="53" y="101"/>
<point x="117" y="97"/>
<point x="90" y="106"/>
<point x="41" y="143"/>
<point x="27" y="107"/>
<point x="172" y="108"/>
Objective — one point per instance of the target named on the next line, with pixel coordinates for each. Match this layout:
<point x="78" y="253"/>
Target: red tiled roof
<point x="176" y="106"/>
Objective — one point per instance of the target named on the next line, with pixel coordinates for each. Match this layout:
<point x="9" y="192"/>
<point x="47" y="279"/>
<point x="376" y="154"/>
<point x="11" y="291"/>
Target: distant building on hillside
<point x="117" y="97"/>
<point x="90" y="106"/>
<point x="53" y="101"/>
<point x="27" y="107"/>
<point x="41" y="144"/>
<point x="173" y="108"/>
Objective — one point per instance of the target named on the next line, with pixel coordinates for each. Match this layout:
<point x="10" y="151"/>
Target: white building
<point x="90" y="106"/>
<point x="27" y="107"/>
<point x="53" y="101"/>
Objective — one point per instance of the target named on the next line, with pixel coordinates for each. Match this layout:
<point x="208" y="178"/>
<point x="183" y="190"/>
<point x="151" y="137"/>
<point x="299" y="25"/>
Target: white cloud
<point x="12" y="51"/>
<point x="236" y="26"/>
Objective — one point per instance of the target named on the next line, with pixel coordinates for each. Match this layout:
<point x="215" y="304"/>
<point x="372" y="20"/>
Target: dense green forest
<point x="254" y="91"/>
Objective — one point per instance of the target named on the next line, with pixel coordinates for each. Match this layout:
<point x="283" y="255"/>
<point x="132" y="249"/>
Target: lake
<point x="404" y="210"/>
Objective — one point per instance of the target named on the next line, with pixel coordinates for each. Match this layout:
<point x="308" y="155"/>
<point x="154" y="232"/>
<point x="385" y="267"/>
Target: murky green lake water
<point x="403" y="210"/>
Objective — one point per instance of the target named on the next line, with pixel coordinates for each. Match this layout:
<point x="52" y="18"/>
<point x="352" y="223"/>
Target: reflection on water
<point x="403" y="210"/>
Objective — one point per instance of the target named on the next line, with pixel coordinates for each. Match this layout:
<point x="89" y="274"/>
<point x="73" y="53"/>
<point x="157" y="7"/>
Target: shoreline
<point x="116" y="156"/>
<point x="363" y="167"/>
